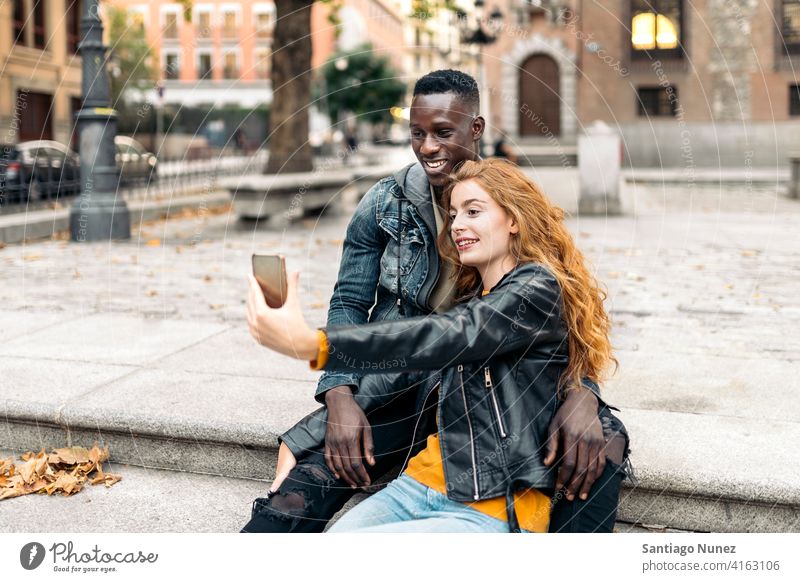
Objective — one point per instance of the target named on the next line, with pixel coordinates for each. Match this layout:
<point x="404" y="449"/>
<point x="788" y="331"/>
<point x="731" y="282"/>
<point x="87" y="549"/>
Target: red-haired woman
<point x="530" y="322"/>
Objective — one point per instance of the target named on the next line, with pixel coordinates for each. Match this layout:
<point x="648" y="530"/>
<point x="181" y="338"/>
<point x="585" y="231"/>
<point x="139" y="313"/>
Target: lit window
<point x="656" y="27"/>
<point x="651" y="31"/>
<point x="791" y="26"/>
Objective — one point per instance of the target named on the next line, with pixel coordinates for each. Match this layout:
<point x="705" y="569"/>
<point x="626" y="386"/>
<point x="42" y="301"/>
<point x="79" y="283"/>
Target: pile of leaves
<point x="63" y="471"/>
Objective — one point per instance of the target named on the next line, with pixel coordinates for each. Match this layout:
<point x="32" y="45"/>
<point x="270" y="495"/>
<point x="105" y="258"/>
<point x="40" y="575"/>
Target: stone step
<point x="674" y="490"/>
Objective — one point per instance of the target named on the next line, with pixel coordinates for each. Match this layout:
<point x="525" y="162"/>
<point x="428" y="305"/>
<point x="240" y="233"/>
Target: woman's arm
<point x="524" y="309"/>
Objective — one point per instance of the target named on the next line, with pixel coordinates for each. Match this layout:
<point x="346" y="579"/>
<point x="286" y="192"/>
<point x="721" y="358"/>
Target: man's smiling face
<point x="444" y="133"/>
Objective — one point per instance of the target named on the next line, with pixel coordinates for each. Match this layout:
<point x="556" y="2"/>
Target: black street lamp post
<point x="473" y="33"/>
<point x="98" y="213"/>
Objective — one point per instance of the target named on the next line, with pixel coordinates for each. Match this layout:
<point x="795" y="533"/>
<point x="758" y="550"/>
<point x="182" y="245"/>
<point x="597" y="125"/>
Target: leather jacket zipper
<point x="475" y="495"/>
<point x="487" y="375"/>
<point x="416" y="425"/>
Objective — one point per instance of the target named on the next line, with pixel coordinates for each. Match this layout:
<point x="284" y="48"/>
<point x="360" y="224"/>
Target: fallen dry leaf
<point x="69" y="456"/>
<point x="207" y="278"/>
<point x="108" y="479"/>
<point x="151" y="292"/>
<point x="31" y="257"/>
<point x="64" y="471"/>
<point x="154" y="242"/>
<point x="98" y="455"/>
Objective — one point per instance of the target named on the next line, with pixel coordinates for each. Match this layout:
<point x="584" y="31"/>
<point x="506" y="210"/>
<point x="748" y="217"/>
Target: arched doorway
<point x="539" y="97"/>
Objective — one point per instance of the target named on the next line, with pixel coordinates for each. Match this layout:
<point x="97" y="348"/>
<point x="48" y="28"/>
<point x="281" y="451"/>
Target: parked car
<point x="134" y="162"/>
<point x="38" y="170"/>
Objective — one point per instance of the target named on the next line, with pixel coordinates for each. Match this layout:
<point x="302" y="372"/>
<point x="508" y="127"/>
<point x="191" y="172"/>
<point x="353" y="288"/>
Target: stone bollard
<point x="794" y="181"/>
<point x="599" y="162"/>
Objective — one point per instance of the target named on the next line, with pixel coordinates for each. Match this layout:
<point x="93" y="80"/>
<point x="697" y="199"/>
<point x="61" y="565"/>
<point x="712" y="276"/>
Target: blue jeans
<point x="408" y="506"/>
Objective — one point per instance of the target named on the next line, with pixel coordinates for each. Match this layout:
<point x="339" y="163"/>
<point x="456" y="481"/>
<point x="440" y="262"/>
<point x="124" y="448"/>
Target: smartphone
<point x="270" y="272"/>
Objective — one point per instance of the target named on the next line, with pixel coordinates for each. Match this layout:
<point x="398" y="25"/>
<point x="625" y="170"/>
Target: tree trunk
<point x="289" y="150"/>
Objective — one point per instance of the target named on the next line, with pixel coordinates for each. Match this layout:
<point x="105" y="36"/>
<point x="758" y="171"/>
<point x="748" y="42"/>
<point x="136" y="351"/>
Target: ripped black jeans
<point x="310" y="496"/>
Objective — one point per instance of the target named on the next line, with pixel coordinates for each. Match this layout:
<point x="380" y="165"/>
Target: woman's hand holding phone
<point x="282" y="329"/>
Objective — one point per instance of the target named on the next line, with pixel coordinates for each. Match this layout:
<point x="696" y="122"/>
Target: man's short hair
<point x="450" y="81"/>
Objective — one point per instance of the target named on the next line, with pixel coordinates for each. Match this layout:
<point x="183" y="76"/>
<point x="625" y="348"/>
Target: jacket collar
<point x="415" y="186"/>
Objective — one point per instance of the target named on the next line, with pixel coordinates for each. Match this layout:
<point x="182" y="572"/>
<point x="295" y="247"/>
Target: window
<point x="229" y="24"/>
<point x="136" y="18"/>
<point x="230" y="66"/>
<point x="657" y="101"/>
<point x="35" y="117"/>
<point x="794" y="99"/>
<point x="262" y="64"/>
<point x="172" y="66"/>
<point x="39" y="30"/>
<point x="656" y="29"/>
<point x="204" y="66"/>
<point x="264" y="16"/>
<point x="74" y="10"/>
<point x="170" y="29"/>
<point x="203" y="26"/>
<point x="791" y="26"/>
<point x="19" y="22"/>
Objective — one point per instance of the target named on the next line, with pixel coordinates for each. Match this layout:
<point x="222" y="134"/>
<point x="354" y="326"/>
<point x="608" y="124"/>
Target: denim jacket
<point x="390" y="245"/>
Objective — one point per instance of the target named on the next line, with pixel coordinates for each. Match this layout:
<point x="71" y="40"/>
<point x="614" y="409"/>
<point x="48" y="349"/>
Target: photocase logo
<point x="31" y="555"/>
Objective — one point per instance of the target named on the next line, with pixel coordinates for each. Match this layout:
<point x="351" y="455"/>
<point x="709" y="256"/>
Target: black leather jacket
<point x="501" y="357"/>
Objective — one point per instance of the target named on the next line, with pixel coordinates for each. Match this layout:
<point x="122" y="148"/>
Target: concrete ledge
<point x="150" y="450"/>
<point x="673" y="509"/>
<point x="281" y="197"/>
<point x="15" y="228"/>
<point x="674" y="497"/>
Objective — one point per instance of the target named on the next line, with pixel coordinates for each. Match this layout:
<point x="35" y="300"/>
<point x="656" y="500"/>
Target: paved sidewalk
<point x="143" y="345"/>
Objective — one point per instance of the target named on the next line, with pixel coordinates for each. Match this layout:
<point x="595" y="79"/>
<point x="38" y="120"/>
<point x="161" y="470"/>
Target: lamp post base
<point x="99" y="220"/>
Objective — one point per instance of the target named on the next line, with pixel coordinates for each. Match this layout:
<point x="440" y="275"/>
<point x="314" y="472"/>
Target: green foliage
<point x="368" y="86"/>
<point x="130" y="56"/>
<point x="187" y="9"/>
<point x="426" y="9"/>
<point x="333" y="17"/>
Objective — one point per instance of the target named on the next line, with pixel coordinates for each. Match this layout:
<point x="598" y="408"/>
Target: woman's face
<point x="480" y="228"/>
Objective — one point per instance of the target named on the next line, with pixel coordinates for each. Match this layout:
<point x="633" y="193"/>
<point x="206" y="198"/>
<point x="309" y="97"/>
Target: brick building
<point x="699" y="83"/>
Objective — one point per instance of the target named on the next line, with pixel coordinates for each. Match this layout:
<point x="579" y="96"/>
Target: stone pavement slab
<point x="12" y="326"/>
<point x="145" y="500"/>
<point x="233" y="352"/>
<point x="111" y="339"/>
<point x="48" y="388"/>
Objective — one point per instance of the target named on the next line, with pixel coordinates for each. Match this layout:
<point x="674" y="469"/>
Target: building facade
<point x="216" y="53"/>
<point x="40" y="71"/>
<point x="702" y="83"/>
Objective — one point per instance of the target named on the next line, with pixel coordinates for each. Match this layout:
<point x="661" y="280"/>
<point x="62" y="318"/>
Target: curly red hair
<point x="543" y="238"/>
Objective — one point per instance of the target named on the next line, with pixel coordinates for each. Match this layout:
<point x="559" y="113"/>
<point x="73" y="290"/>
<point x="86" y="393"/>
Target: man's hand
<point x="348" y="429"/>
<point x="577" y="430"/>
